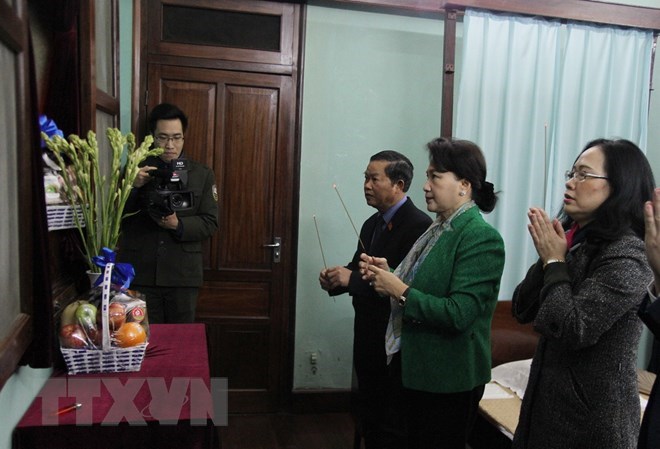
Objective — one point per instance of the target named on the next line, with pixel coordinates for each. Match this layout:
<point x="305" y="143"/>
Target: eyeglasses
<point x="164" y="138"/>
<point x="581" y="176"/>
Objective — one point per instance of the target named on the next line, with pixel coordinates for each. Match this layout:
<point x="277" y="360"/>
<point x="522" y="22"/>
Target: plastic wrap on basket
<point x="118" y="342"/>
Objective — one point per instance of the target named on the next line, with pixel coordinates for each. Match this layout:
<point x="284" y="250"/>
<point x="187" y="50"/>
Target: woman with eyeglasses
<point x="582" y="297"/>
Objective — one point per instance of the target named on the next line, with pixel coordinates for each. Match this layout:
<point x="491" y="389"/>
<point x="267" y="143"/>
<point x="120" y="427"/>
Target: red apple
<point x="72" y="336"/>
<point x="116" y="315"/>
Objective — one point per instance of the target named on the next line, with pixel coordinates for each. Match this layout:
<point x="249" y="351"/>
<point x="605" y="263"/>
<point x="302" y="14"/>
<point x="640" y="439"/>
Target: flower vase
<point x="92" y="277"/>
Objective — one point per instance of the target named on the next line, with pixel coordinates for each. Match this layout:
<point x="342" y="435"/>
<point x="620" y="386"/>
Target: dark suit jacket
<point x="372" y="311"/>
<point x="649" y="435"/>
<point x="162" y="257"/>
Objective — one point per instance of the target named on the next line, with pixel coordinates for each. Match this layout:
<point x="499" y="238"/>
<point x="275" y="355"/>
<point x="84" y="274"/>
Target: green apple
<point x="86" y="315"/>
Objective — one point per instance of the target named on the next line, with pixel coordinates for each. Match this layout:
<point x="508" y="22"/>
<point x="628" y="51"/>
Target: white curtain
<point x="532" y="92"/>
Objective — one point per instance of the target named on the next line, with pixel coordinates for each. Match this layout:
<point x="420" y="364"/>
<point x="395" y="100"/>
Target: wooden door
<point x="232" y="66"/>
<point x="240" y="125"/>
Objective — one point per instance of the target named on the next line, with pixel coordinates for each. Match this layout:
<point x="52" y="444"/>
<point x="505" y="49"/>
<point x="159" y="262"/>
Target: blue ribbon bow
<point x="122" y="273"/>
<point x="48" y="126"/>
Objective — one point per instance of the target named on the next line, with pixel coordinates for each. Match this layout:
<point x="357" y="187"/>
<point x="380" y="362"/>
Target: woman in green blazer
<point x="442" y="298"/>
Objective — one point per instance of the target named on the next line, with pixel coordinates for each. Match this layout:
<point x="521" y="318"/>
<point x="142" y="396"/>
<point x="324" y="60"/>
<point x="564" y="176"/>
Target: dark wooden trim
<point x="582" y="10"/>
<point x="86" y="42"/>
<point x="93" y="98"/>
<point x="220" y="64"/>
<point x="14" y="346"/>
<point x="320" y="401"/>
<point x="139" y="68"/>
<point x="402" y="5"/>
<point x="116" y="69"/>
<point x="11" y="27"/>
<point x="106" y="102"/>
<point x="299" y="72"/>
<point x="14" y="34"/>
<point x="448" y="70"/>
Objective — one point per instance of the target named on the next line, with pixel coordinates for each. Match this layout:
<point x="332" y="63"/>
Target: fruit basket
<point x="61" y="216"/>
<point x="113" y="360"/>
<point x="119" y="344"/>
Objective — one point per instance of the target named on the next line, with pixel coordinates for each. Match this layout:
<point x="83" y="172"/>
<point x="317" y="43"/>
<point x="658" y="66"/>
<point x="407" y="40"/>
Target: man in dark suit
<point x="176" y="208"/>
<point x="389" y="233"/>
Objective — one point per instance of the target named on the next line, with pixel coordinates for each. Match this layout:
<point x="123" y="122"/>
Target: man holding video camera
<point x="174" y="201"/>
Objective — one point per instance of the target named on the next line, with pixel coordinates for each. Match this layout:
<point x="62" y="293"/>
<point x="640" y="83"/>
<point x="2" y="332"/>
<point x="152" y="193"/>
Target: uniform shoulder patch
<point x="215" y="193"/>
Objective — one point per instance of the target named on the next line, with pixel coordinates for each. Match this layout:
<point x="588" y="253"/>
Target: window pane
<point x="9" y="257"/>
<point x="103" y="45"/>
<point x="103" y="122"/>
<point x="221" y="28"/>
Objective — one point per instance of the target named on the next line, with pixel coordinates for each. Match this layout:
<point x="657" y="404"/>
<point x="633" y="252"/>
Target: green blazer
<point x="445" y="340"/>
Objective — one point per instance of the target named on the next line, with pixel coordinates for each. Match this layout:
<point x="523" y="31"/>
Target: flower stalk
<point x="101" y="200"/>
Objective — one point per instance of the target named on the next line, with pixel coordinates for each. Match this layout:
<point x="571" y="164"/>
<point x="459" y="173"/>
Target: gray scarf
<point x="406" y="272"/>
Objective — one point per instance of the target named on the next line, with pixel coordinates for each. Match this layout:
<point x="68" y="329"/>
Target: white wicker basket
<point x="110" y="359"/>
<point x="61" y="216"/>
<point x="104" y="361"/>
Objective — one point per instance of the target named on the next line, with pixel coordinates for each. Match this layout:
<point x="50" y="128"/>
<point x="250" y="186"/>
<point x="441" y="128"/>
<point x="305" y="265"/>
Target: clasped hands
<point x="548" y="235"/>
<point x="377" y="272"/>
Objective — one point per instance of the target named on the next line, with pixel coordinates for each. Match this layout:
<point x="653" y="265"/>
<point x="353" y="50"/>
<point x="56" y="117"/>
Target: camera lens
<point x="178" y="201"/>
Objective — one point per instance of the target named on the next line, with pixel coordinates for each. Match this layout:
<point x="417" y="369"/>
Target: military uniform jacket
<point x="160" y="256"/>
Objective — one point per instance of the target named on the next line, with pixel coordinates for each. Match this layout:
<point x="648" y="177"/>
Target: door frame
<point x="141" y="61"/>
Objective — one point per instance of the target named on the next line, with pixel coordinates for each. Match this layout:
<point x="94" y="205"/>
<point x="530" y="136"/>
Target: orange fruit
<point x="130" y="334"/>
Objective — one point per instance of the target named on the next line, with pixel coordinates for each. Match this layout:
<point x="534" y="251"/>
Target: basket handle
<point x="105" y="301"/>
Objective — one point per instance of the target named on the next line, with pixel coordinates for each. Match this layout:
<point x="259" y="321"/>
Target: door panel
<point x="250" y="116"/>
<point x="231" y="30"/>
<point x="240" y="124"/>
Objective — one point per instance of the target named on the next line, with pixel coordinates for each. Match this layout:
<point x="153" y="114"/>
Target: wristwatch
<point x="404" y="297"/>
<point x="549" y="261"/>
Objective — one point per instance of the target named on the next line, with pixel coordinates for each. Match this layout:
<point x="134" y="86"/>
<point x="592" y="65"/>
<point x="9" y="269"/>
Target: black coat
<point x="582" y="390"/>
<point x="372" y="312"/>
<point x="649" y="435"/>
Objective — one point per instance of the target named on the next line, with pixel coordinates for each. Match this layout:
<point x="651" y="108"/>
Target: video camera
<point x="170" y="192"/>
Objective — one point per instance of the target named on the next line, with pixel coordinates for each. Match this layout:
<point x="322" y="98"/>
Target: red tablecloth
<point x="165" y="404"/>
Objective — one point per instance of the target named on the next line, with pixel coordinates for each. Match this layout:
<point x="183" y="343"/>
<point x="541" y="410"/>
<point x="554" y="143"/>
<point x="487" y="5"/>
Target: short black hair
<point x="399" y="168"/>
<point x="466" y="161"/>
<point x="166" y="111"/>
<point x="631" y="182"/>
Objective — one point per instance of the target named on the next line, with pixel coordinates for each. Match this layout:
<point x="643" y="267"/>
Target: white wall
<point x="358" y="100"/>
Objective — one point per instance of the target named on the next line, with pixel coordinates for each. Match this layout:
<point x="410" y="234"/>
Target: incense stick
<point x="320" y="245"/>
<point x="334" y="186"/>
